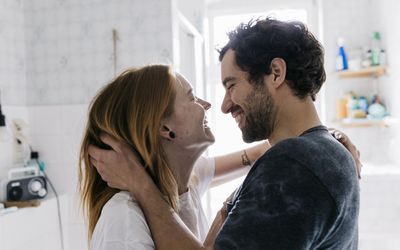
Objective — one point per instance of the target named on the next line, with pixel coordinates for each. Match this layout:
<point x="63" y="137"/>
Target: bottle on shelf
<point x="341" y="59"/>
<point x="341" y="108"/>
<point x="366" y="57"/>
<point x="375" y="48"/>
<point x="382" y="57"/>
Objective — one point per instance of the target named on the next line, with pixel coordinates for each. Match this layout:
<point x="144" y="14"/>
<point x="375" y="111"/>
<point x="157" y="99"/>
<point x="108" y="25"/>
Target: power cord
<point x="35" y="156"/>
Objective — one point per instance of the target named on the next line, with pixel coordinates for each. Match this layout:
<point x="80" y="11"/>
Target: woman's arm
<point x="231" y="166"/>
<point x="237" y="164"/>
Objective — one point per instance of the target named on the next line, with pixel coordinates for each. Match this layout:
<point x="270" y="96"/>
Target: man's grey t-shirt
<point x="301" y="194"/>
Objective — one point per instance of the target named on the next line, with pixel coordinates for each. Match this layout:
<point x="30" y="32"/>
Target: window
<point x="228" y="135"/>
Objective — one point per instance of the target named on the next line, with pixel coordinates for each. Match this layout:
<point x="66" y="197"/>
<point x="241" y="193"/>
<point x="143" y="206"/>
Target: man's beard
<point x="260" y="115"/>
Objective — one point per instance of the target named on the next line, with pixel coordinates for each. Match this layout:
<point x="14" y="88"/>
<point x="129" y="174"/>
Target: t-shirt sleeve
<point x="272" y="212"/>
<point x="122" y="227"/>
<point x="124" y="245"/>
<point x="203" y="174"/>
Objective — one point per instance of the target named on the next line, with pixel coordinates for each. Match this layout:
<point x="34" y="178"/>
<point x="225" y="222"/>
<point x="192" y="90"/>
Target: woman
<point x="155" y="112"/>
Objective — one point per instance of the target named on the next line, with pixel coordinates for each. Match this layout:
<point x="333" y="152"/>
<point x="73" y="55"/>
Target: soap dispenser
<point x="341" y="59"/>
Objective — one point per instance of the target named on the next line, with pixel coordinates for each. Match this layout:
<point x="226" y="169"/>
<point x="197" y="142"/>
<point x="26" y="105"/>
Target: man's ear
<point x="278" y="71"/>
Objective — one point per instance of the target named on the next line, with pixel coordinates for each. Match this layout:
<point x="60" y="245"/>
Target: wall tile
<point x="12" y="51"/>
<point x="70" y="45"/>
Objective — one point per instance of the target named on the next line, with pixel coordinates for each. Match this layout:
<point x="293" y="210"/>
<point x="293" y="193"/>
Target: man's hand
<point x="218" y="222"/>
<point x="118" y="167"/>
<point x="342" y="138"/>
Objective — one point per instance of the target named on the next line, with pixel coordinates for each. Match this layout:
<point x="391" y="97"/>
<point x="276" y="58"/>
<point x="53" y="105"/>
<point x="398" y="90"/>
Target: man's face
<point x="251" y="105"/>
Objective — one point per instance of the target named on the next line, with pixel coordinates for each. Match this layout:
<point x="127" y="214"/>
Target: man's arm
<point x="168" y="230"/>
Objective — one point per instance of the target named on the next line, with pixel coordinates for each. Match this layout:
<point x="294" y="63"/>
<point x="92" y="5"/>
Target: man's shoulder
<point x="317" y="159"/>
<point x="314" y="150"/>
<point x="287" y="153"/>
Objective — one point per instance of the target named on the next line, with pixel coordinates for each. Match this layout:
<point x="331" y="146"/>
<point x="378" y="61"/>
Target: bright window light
<point x="228" y="135"/>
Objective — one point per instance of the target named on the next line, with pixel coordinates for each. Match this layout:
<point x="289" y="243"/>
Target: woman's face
<point x="188" y="119"/>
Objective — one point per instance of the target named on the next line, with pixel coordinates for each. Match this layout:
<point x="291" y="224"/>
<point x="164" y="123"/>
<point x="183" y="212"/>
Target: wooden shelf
<point x="367" y="122"/>
<point x="375" y="71"/>
<point x="362" y="122"/>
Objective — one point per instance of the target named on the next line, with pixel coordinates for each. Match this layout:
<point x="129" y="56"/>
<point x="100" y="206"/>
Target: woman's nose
<point x="206" y="105"/>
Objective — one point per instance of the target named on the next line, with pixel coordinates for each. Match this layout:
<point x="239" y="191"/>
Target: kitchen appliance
<point x="23" y="184"/>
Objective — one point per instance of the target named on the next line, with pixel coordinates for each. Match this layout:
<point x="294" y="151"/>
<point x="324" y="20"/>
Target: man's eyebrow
<point x="228" y="79"/>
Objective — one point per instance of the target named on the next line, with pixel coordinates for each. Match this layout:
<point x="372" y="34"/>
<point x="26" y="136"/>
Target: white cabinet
<point x="34" y="228"/>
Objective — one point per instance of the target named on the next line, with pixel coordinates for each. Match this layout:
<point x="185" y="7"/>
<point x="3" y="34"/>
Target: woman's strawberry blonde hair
<point x="130" y="109"/>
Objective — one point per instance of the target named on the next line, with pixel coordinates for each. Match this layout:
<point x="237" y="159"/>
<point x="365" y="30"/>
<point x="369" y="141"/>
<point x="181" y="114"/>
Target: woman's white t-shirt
<point x="122" y="224"/>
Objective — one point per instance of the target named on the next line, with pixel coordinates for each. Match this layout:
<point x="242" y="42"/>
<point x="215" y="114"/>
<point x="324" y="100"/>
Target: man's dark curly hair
<point x="259" y="41"/>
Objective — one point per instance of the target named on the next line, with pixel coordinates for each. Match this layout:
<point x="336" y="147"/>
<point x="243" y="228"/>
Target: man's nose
<point x="226" y="104"/>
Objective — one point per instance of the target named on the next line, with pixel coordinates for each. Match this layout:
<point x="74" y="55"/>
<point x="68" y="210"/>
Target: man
<point x="301" y="194"/>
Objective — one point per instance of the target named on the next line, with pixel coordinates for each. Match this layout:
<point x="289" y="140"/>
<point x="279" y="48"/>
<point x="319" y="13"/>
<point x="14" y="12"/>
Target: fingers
<point x="339" y="136"/>
<point x="96" y="152"/>
<point x="336" y="134"/>
<point x="98" y="155"/>
<point x="359" y="165"/>
<point x="93" y="162"/>
<point x="104" y="174"/>
<point x="111" y="141"/>
<point x="99" y="168"/>
<point x="342" y="138"/>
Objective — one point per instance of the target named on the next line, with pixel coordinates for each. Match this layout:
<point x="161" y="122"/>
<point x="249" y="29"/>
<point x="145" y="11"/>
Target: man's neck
<point x="293" y="118"/>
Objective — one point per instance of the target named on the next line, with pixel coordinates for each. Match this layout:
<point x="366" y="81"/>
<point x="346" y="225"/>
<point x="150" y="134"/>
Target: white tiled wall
<point x="12" y="52"/>
<point x="387" y="22"/>
<point x="70" y="47"/>
<point x="56" y="134"/>
<point x="379" y="223"/>
<point x="55" y="55"/>
<point x="355" y="21"/>
<point x="66" y="47"/>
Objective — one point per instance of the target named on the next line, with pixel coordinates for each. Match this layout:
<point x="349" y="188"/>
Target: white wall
<point x="387" y="20"/>
<point x="194" y="11"/>
<point x="70" y="47"/>
<point x="355" y="21"/>
<point x="69" y="56"/>
<point x="56" y="133"/>
<point x="12" y="51"/>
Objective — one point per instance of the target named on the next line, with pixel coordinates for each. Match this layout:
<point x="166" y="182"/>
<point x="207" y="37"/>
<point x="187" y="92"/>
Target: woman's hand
<point x="119" y="167"/>
<point x="345" y="140"/>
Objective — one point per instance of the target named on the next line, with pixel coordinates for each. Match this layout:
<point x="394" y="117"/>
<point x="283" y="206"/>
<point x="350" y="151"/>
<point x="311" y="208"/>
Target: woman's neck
<point x="181" y="163"/>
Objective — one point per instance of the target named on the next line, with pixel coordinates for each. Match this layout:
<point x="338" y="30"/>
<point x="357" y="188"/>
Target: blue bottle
<point x="341" y="60"/>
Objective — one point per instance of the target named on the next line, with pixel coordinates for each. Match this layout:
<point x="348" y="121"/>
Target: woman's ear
<point x="278" y="71"/>
<point x="164" y="132"/>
